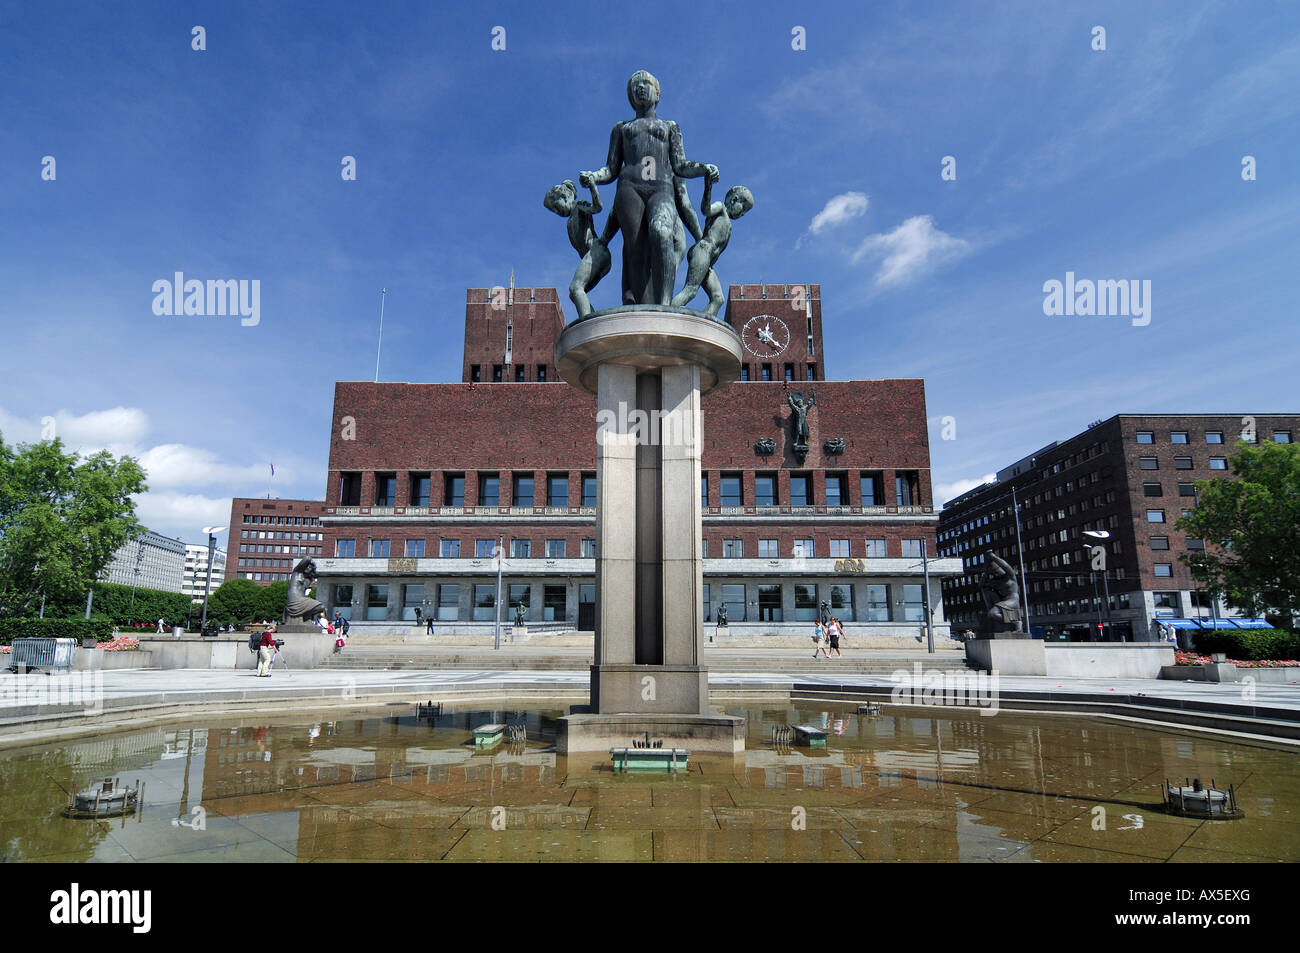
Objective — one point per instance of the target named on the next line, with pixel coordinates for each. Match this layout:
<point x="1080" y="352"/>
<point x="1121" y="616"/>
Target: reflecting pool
<point x="908" y="784"/>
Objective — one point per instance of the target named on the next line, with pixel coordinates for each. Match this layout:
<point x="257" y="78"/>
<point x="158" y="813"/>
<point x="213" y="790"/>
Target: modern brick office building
<point x="1131" y="477"/>
<point x="267" y="537"/>
<point x="425" y="479"/>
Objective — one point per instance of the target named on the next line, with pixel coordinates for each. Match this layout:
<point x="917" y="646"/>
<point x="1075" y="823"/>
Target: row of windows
<point x="287" y="550"/>
<point x="731" y="490"/>
<point x="768" y="603"/>
<point x="508" y="372"/>
<point x="451" y="549"/>
<point x="443" y="601"/>
<point x="1247" y="435"/>
<point x="277" y="534"/>
<point x="283" y="520"/>
<point x="807" y="548"/>
<point x="1181" y="463"/>
<point x="524" y="491"/>
<point x="763" y="372"/>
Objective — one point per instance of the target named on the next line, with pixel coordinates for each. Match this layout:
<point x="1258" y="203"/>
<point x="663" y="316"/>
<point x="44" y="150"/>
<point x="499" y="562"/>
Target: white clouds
<point x="175" y="464"/>
<point x="119" y="429"/>
<point x="943" y="492"/>
<point x="910" y="250"/>
<point x="183" y="514"/>
<point x="840" y="209"/>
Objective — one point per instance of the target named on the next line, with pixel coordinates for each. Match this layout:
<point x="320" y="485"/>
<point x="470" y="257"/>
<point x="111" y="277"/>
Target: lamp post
<point x="1020" y="551"/>
<point x="212" y="532"/>
<point x="1101" y="534"/>
<point x="496" y="635"/>
<point x="139" y="559"/>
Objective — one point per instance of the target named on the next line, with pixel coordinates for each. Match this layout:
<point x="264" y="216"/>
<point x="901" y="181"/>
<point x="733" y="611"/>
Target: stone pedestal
<point x="648" y="367"/>
<point x="1007" y="656"/>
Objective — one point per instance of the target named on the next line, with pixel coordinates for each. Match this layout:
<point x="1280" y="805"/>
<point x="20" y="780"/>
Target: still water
<point x="388" y="786"/>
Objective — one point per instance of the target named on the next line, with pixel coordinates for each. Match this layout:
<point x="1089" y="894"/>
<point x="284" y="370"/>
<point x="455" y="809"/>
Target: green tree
<point x="272" y="601"/>
<point x="235" y="600"/>
<point x="1251" y="528"/>
<point x="61" y="520"/>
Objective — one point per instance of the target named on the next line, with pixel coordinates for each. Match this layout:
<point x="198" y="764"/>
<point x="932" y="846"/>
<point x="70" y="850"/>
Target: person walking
<point x="265" y="652"/>
<point x="160" y="626"/>
<point x="428" y="625"/>
<point x="835" y="631"/>
<point x="819" y="639"/>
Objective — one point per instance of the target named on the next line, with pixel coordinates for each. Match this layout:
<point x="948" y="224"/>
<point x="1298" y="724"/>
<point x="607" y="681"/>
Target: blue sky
<point x="1122" y="164"/>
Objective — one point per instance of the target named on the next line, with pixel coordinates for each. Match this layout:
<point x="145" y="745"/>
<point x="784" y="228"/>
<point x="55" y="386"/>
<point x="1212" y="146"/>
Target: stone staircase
<point x="425" y="658"/>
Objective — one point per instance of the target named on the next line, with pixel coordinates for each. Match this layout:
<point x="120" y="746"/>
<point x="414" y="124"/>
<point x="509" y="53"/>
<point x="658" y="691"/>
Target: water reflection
<point x="889" y="787"/>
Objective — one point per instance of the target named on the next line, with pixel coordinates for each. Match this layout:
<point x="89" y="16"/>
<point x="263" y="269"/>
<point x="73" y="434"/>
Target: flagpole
<point x="383" y="292"/>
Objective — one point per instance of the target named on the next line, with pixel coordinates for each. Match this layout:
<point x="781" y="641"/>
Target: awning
<point x="1251" y="623"/>
<point x="1177" y="623"/>
<point x="1205" y="622"/>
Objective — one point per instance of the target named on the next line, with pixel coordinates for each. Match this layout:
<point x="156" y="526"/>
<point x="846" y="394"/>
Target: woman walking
<point x="819" y="640"/>
<point x="835" y="631"/>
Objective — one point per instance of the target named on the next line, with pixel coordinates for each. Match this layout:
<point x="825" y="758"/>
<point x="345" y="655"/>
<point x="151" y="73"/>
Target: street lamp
<point x="212" y="532"/>
<point x="1101" y="534"/>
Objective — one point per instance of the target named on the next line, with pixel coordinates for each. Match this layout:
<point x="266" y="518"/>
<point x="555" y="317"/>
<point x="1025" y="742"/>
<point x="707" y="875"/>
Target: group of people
<point x="827" y="637"/>
<point x="338" y="628"/>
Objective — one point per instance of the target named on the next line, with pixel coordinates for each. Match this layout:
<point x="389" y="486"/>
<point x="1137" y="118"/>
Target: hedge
<point x="1250" y="645"/>
<point x="99" y="627"/>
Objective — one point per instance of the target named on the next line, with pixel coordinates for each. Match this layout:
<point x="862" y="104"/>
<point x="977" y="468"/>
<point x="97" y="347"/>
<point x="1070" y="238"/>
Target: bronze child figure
<point x="563" y="200"/>
<point x="717" y="233"/>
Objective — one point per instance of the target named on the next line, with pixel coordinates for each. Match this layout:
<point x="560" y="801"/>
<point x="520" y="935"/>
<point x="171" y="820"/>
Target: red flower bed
<point x="1189" y="658"/>
<point x="123" y="643"/>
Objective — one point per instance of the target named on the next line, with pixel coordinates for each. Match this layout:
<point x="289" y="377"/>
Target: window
<point x="1145" y="436"/>
<point x="1178" y="436"/>
<point x="521" y="372"/>
<point x="483" y="548"/>
<point x="385" y="489"/>
<point x="453" y="489"/>
<point x="415" y="548"/>
<point x="1155" y="516"/>
<point x="769" y="603"/>
<point x="1166" y="600"/>
<point x="523" y="487"/>
<point x="485" y="602"/>
<point x="1148" y="463"/>
<point x="555" y="549"/>
<point x="842" y="602"/>
<point x="1218" y="463"/>
<point x="872" y="494"/>
<point x="350" y="489"/>
<point x="1163" y="570"/>
<point x="803" y="548"/>
<point x="589" y="489"/>
<point x="733" y="548"/>
<point x="704" y="490"/>
<point x="912" y="548"/>
<point x="836" y="490"/>
<point x="419" y="495"/>
<point x="588" y="549"/>
<point x="805" y="602"/>
<point x="521" y="548"/>
<point x="449" y="549"/>
<point x="812" y="372"/>
<point x="489" y="489"/>
<point x="876" y="548"/>
<point x="519" y="593"/>
<point x="541" y="372"/>
<point x="913" y="606"/>
<point x="1186" y="489"/>
<point x="765" y="489"/>
<point x="379" y="549"/>
<point x="1159" y="542"/>
<point x="345" y="548"/>
<point x="496" y="373"/>
<point x="554" y="603"/>
<point x="789" y="372"/>
<point x="1152" y="489"/>
<point x="731" y="490"/>
<point x="343" y="600"/>
<point x="1182" y="463"/>
<point x="376" y="601"/>
<point x="412" y="600"/>
<point x="767" y="372"/>
<point x="733" y="596"/>
<point x="1214" y="436"/>
<point x="557" y="490"/>
<point x="1194" y="543"/>
<point x="744" y="372"/>
<point x="1281" y="436"/>
<point x="906" y="488"/>
<point x="800" y="490"/>
<point x="839" y="548"/>
<point x="878" y="604"/>
<point x="769" y="549"/>
<point x="449" y="602"/>
<point x="1248" y="433"/>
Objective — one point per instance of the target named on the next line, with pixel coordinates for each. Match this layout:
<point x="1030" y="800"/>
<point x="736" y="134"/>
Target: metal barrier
<point x="550" y="628"/>
<point x="52" y="654"/>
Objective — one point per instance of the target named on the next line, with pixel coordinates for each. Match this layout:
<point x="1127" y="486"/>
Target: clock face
<point x="765" y="335"/>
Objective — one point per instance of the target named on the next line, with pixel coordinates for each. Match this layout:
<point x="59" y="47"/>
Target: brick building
<point x="425" y="479"/>
<point x="1131" y="477"/>
<point x="267" y="537"/>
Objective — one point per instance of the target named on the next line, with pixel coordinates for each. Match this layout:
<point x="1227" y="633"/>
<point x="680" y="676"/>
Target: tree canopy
<point x="61" y="520"/>
<point x="1251" y="527"/>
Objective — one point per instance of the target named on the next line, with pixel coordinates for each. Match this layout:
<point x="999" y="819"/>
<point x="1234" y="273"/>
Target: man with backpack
<point x="265" y="651"/>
